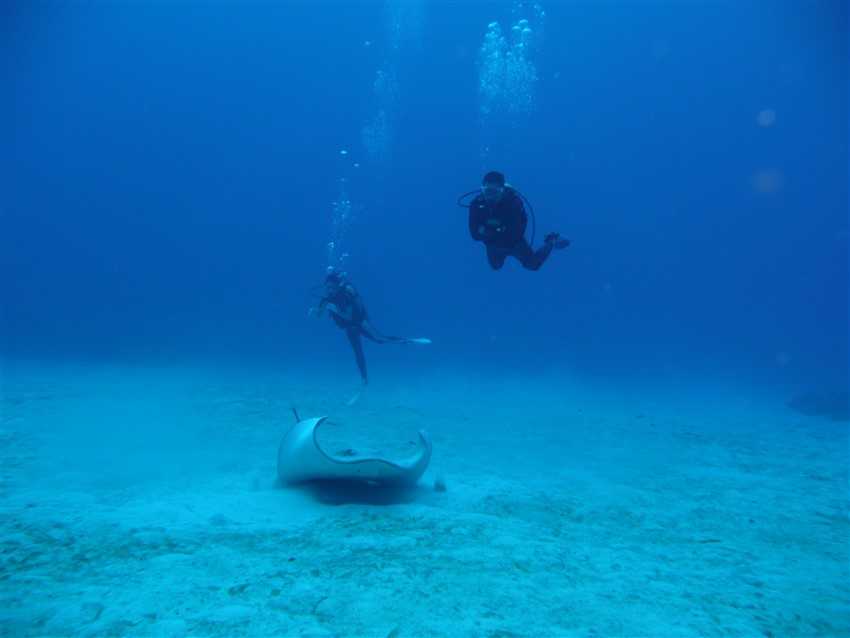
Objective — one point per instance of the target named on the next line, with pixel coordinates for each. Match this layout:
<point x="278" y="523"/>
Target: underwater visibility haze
<point x="216" y="216"/>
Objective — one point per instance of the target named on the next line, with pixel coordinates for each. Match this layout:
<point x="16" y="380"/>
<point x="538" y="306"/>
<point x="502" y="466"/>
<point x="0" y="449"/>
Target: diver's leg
<point x="371" y="334"/>
<point x="353" y="334"/>
<point x="369" y="331"/>
<point x="496" y="257"/>
<point x="529" y="258"/>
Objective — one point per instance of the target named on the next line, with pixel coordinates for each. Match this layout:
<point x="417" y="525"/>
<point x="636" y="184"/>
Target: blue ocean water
<point x="170" y="177"/>
<point x="178" y="177"/>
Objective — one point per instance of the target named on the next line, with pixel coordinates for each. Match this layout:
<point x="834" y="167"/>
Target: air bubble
<point x="766" y="118"/>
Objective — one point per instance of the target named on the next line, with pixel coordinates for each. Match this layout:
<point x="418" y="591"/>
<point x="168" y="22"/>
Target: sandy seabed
<point x="142" y="501"/>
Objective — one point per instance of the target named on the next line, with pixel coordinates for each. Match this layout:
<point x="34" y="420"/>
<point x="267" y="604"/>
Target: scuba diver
<point x="497" y="218"/>
<point x="347" y="310"/>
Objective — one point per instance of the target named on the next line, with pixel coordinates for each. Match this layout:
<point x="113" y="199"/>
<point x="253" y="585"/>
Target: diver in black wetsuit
<point x="347" y="310"/>
<point x="497" y="218"/>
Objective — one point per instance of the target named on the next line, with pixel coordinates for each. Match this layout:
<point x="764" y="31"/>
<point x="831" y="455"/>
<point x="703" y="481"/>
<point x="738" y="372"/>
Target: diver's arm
<point x="344" y="314"/>
<point x="319" y="309"/>
<point x="348" y="307"/>
<point x="517" y="221"/>
<point x="476" y="221"/>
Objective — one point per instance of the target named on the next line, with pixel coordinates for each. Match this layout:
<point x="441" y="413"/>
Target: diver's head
<point x="334" y="280"/>
<point x="493" y="186"/>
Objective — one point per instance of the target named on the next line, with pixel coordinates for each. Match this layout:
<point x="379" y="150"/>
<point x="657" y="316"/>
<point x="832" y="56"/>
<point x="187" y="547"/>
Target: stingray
<point x="300" y="459"/>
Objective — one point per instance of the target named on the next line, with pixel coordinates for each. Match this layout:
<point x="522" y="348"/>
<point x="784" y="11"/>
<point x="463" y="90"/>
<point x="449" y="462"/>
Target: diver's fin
<point x="420" y="340"/>
<point x="354" y="399"/>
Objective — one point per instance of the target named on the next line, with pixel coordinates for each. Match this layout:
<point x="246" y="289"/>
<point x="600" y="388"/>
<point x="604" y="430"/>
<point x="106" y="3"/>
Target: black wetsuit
<point x="501" y="227"/>
<point x="351" y="316"/>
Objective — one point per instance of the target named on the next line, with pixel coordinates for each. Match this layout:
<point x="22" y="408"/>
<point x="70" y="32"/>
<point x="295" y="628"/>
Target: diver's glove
<point x="556" y="241"/>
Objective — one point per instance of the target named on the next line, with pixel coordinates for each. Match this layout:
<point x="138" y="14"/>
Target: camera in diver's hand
<point x="494" y="225"/>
